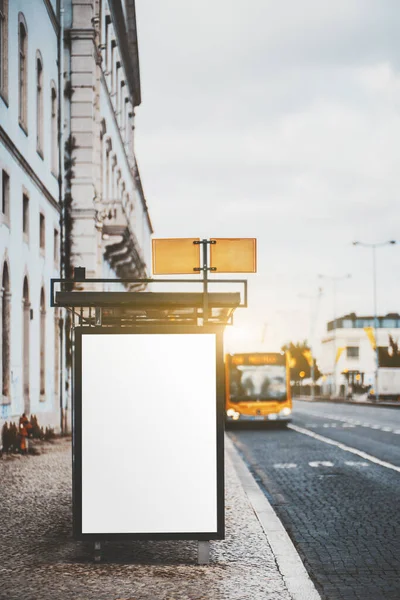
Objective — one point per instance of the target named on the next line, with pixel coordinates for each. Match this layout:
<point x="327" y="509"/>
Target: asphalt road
<point x="334" y="480"/>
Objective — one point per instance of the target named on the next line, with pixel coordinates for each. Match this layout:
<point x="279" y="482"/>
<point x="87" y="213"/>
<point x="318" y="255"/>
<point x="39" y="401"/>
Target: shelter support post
<point x="203" y="553"/>
<point x="97" y="551"/>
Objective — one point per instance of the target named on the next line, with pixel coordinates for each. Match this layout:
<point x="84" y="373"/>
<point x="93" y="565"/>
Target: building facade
<point x="70" y="190"/>
<point x="111" y="228"/>
<point x="348" y="357"/>
<point x="30" y="209"/>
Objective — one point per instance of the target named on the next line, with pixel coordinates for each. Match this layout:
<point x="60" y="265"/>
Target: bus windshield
<point x="257" y="383"/>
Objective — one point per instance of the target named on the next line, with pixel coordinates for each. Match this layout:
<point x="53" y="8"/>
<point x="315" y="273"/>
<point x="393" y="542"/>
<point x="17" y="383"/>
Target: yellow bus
<point x="258" y="387"/>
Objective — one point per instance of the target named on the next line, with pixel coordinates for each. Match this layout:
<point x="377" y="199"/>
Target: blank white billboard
<point x="149" y="433"/>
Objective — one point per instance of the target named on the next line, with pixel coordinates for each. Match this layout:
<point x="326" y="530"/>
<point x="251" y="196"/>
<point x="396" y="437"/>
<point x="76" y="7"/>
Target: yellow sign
<point x="371" y="336"/>
<point x="234" y="255"/>
<point x="175" y="256"/>
<point x="339" y="353"/>
<point x="290" y="360"/>
<point x="309" y="357"/>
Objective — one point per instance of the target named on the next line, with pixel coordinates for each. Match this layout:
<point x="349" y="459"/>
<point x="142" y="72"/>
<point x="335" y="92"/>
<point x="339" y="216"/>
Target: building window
<point x="42" y="231"/>
<point x="39" y="104"/>
<point x="107" y="177"/>
<point x="4" y="48"/>
<point x="56" y="248"/>
<point x="5" y="334"/>
<point x="54" y="131"/>
<point x="389" y="323"/>
<point x="42" y="344"/>
<point x="5" y="195"/>
<point x="112" y="65"/>
<point x="26" y="345"/>
<point x="107" y="39"/>
<point x="23" y="72"/>
<point x="353" y="352"/>
<point x="25" y="216"/>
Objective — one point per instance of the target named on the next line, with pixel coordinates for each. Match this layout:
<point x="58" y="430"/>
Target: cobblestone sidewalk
<point x="39" y="560"/>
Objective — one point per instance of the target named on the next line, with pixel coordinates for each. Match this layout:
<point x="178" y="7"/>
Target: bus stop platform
<point x="40" y="559"/>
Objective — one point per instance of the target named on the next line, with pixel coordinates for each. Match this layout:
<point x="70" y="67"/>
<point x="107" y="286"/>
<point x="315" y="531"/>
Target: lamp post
<point x="334" y="280"/>
<point x="374" y="247"/>
<point x="313" y="319"/>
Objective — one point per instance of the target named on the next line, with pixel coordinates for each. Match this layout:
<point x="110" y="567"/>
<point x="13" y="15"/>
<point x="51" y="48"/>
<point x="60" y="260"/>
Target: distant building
<point x="70" y="188"/>
<point x="348" y="359"/>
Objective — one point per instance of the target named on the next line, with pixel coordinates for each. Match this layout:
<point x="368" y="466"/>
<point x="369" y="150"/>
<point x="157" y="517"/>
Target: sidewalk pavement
<point x="40" y="560"/>
<point x="360" y="401"/>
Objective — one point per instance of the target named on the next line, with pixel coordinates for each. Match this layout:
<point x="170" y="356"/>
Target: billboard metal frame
<point x="77" y="433"/>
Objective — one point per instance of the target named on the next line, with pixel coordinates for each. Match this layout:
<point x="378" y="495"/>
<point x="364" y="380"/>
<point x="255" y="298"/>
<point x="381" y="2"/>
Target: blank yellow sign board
<point x="175" y="256"/>
<point x="234" y="255"/>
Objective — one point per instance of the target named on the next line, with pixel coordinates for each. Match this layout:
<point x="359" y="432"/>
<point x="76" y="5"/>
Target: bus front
<point x="258" y="388"/>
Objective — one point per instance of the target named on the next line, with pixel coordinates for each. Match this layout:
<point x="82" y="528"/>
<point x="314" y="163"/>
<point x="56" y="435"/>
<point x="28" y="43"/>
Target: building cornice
<point x="126" y="34"/>
<point x="142" y="197"/>
<point x="53" y="16"/>
<point x="23" y="163"/>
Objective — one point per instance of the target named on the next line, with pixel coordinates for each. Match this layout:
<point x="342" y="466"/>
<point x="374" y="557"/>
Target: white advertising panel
<point x="148" y="433"/>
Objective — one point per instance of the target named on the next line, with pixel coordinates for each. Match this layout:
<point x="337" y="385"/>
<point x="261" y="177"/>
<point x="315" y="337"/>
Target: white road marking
<point x="386" y="429"/>
<point x="326" y="440"/>
<point x="354" y="463"/>
<point x="397" y="431"/>
<point x="348" y="426"/>
<point x="285" y="466"/>
<point x="321" y="463"/>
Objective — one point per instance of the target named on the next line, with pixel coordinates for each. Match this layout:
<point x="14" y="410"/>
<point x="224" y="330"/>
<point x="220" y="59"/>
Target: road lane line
<point x="360" y="453"/>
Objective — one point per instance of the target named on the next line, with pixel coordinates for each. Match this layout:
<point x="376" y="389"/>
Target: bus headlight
<point x="285" y="412"/>
<point x="230" y="412"/>
<point x="235" y="416"/>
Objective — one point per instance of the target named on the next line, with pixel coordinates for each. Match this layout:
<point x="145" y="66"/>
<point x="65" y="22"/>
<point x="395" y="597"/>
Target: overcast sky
<point x="278" y="120"/>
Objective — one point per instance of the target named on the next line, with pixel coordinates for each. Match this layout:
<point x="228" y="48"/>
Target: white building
<point x="348" y="358"/>
<point x="111" y="227"/>
<point x="70" y="190"/>
<point x="30" y="209"/>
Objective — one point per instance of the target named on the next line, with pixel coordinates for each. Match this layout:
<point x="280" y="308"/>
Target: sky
<point x="279" y="121"/>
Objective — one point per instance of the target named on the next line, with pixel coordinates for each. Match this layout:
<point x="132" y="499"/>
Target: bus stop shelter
<point x="148" y="408"/>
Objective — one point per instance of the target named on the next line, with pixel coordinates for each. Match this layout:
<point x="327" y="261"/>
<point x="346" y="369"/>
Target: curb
<point x="333" y="401"/>
<point x="288" y="561"/>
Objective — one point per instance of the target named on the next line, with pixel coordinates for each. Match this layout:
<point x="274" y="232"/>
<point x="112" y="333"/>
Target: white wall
<point x="26" y="258"/>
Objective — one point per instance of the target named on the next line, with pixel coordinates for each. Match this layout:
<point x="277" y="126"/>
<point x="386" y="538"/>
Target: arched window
<point x="5" y="332"/>
<point x="23" y="71"/>
<point x="54" y="130"/>
<point x="26" y="316"/>
<point x="4" y="48"/>
<point x="42" y="345"/>
<point x="39" y="103"/>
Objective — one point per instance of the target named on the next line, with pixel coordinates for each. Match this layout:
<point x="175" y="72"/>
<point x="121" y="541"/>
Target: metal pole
<point x="312" y="352"/>
<point x="375" y="323"/>
<point x="334" y="387"/>
<point x="205" y="281"/>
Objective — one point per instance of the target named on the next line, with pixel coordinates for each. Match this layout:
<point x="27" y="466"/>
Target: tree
<point x="299" y="354"/>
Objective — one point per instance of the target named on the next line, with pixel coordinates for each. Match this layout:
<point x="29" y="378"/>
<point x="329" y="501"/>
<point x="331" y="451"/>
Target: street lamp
<point x="374" y="247"/>
<point x="312" y="329"/>
<point x="334" y="280"/>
